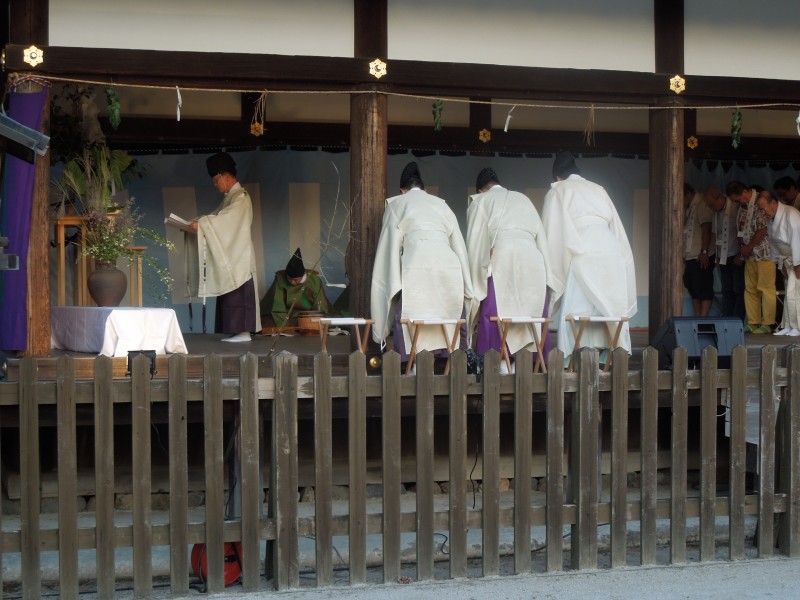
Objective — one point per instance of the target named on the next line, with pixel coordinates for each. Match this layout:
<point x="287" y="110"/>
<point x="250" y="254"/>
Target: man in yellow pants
<point x="755" y="251"/>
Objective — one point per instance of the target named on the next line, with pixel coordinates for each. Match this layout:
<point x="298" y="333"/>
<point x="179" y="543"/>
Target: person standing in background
<point x="731" y="271"/>
<point x="784" y="236"/>
<point x="760" y="296"/>
<point x="698" y="251"/>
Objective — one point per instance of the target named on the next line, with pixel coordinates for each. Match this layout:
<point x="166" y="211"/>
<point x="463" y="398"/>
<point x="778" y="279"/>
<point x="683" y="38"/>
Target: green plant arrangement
<point x="113" y="235"/>
<point x="92" y="177"/>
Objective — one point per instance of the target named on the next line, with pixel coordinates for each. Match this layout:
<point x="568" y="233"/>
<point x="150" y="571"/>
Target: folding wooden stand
<point x="361" y="338"/>
<point x="504" y="325"/>
<point x="414" y="327"/>
<point x="613" y="341"/>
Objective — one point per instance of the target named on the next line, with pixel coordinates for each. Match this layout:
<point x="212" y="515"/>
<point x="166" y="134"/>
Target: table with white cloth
<point x="115" y="331"/>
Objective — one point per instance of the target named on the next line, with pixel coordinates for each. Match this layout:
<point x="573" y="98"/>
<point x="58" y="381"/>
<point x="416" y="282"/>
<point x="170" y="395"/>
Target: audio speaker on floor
<point x="695" y="334"/>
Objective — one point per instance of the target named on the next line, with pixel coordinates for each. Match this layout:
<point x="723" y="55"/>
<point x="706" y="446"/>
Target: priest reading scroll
<point x="221" y="260"/>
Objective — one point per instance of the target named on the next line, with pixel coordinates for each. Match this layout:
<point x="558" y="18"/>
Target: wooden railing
<point x="571" y="405"/>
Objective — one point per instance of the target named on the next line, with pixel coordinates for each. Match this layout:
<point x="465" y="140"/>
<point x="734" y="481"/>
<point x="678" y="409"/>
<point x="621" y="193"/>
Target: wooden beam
<point x="29" y="20"/>
<point x="669" y="35"/>
<point x="151" y="135"/>
<point x="212" y="70"/>
<point x="371" y="29"/>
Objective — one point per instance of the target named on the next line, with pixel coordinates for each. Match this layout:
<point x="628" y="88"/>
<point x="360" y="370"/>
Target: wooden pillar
<point x="666" y="212"/>
<point x="30" y="25"/>
<point x="368" y="151"/>
<point x="666" y="170"/>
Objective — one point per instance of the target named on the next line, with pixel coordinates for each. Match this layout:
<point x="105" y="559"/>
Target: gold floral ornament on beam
<point x="677" y="84"/>
<point x="33" y="56"/>
<point x="377" y="68"/>
<point x="692" y="142"/>
<point x="259" y="116"/>
<point x="485" y="135"/>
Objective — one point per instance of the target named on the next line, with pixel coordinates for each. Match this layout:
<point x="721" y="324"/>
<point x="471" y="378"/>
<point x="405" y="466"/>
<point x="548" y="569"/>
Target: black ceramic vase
<point x="107" y="284"/>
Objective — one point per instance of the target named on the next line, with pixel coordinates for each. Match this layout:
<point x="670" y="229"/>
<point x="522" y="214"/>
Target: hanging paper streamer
<point x="588" y="132"/>
<point x="438" y="107"/>
<point x="508" y="118"/>
<point x="736" y="128"/>
<point x="259" y="116"/>
<point x="180" y="102"/>
<point x="797" y="120"/>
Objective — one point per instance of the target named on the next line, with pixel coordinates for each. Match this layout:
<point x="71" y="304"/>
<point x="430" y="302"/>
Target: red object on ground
<point x="233" y="562"/>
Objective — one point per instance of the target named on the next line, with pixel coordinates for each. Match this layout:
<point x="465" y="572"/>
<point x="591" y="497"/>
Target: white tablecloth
<point x="115" y="331"/>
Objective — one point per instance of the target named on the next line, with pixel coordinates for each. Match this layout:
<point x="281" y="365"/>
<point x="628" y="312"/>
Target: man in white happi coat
<point x="784" y="235"/>
<point x="591" y="258"/>
<point x="509" y="262"/>
<point x="221" y="259"/>
<point x="698" y="251"/>
<point x="724" y="226"/>
<point x="421" y="265"/>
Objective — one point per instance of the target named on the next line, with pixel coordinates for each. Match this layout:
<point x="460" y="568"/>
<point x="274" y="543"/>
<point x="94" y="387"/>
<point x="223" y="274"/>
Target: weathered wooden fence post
<point x="554" y="510"/>
<point x="357" y="448"/>
<point x="738" y="451"/>
<point x="709" y="397"/>
<point x="766" y="453"/>
<point x="523" y="449"/>
<point x="323" y="469"/>
<point x="30" y="474"/>
<point x="424" y="440"/>
<point x="649" y="455"/>
<point x="490" y="485"/>
<point x="142" y="478"/>
<point x="619" y="459"/>
<point x="391" y="465"/>
<point x="458" y="465"/>
<point x="67" y="479"/>
<point x="679" y="455"/>
<point x="584" y="460"/>
<point x="104" y="475"/>
<point x="178" y="476"/>
<point x="789" y="483"/>
<point x="283" y="550"/>
<point x="252" y="488"/>
<point x="214" y="473"/>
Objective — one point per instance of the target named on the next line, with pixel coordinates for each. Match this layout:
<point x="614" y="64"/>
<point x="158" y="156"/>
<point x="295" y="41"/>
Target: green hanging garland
<point x="438" y="107"/>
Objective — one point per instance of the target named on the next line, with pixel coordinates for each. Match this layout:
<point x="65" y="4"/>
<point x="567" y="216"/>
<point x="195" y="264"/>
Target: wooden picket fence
<point x="570" y="403"/>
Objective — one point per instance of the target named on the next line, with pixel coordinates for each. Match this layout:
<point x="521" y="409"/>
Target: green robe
<point x="283" y="301"/>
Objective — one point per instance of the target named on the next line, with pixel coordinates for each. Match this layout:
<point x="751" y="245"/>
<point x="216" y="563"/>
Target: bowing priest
<point x="421" y="267"/>
<point x="223" y="259"/>
<point x="509" y="262"/>
<point x="591" y="258"/>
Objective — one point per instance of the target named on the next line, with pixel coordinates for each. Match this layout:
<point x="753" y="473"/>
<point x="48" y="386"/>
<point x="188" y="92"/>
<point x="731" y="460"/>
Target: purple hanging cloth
<point x="15" y="223"/>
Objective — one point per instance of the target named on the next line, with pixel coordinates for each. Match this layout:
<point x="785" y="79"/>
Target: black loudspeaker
<point x="694" y="334"/>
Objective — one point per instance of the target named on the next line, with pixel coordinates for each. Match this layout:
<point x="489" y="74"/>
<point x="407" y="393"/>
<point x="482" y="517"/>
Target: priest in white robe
<point x="509" y="262"/>
<point x="421" y="264"/>
<point x="784" y="235"/>
<point x="221" y="258"/>
<point x="591" y="258"/>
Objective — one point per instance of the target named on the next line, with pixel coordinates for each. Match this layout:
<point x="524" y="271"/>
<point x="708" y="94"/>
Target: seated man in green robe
<point x="294" y="289"/>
